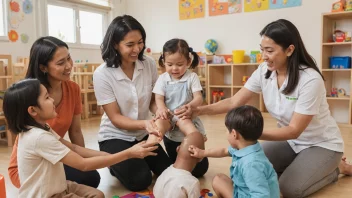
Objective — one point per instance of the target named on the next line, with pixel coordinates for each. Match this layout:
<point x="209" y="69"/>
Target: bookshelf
<point x="229" y="79"/>
<point x="340" y="107"/>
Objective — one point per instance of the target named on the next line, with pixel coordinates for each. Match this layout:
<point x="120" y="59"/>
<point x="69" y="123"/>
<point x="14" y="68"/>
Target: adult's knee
<point x="201" y="168"/>
<point x="290" y="189"/>
<point x="92" y="179"/>
<point x="137" y="182"/>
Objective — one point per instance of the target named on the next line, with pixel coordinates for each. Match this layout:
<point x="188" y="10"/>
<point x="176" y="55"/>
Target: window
<point x="76" y="24"/>
<point x="3" y="24"/>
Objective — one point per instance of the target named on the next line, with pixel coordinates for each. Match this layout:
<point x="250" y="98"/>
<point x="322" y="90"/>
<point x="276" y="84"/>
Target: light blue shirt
<point x="252" y="173"/>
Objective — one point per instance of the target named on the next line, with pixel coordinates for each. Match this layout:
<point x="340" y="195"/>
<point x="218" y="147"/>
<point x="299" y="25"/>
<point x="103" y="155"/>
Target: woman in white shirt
<point x="307" y="147"/>
<point x="123" y="86"/>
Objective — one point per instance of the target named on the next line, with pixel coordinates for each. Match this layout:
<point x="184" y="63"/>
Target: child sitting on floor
<point x="177" y="180"/>
<point x="42" y="152"/>
<point x="251" y="172"/>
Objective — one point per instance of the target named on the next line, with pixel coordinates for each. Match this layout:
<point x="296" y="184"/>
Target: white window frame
<point x="76" y="7"/>
<point x="6" y="28"/>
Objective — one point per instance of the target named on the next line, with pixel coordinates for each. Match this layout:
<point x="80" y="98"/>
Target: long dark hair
<point x="116" y="32"/>
<point x="285" y="33"/>
<point x="18" y="97"/>
<point x="42" y="53"/>
<point x="181" y="46"/>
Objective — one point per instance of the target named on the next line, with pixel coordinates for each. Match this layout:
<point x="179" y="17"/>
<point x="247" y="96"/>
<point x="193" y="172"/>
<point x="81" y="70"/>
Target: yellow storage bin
<point x="238" y="56"/>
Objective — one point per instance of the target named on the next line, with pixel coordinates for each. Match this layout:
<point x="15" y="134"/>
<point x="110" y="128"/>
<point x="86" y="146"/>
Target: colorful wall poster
<point x="277" y="4"/>
<point x="256" y="5"/>
<point x="221" y="7"/>
<point x="191" y="9"/>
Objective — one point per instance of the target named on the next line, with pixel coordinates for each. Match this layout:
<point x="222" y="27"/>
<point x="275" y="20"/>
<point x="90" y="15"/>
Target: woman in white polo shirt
<point x="307" y="147"/>
<point x="123" y="86"/>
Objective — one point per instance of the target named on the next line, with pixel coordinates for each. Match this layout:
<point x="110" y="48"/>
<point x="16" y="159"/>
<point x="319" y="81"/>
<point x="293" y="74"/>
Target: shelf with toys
<point x="225" y="78"/>
<point x="6" y="79"/>
<point x="82" y="74"/>
<point x="336" y="62"/>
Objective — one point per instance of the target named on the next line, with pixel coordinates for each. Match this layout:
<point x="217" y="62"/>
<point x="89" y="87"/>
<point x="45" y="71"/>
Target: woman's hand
<point x="151" y="127"/>
<point x="142" y="150"/>
<point x="162" y="113"/>
<point x="196" y="152"/>
<point x="187" y="112"/>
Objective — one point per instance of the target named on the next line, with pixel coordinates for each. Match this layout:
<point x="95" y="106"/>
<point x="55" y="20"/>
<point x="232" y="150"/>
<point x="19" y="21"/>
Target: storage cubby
<point x="340" y="107"/>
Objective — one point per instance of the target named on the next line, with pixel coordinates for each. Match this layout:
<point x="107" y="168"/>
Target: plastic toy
<point x="244" y="79"/>
<point x="142" y="194"/>
<point x="341" y="93"/>
<point x="2" y="186"/>
<point x="338" y="6"/>
<point x="211" y="46"/>
<point x="333" y="92"/>
<point x="221" y="95"/>
<point x="259" y="58"/>
<point x="339" y="36"/>
<point x="348" y="5"/>
<point x="215" y="95"/>
<point x="205" y="193"/>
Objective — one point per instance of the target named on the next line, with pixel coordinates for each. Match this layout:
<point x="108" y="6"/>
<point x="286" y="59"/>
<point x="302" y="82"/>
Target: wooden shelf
<point x="202" y="79"/>
<point x="336" y="98"/>
<point x="338" y="15"/>
<point x="246" y="64"/>
<point x="237" y="64"/>
<point x="336" y="70"/>
<point x="340" y="107"/>
<point x="337" y="43"/>
<point x="87" y="91"/>
<point x="220" y="86"/>
<point x="220" y="65"/>
<point x="238" y="86"/>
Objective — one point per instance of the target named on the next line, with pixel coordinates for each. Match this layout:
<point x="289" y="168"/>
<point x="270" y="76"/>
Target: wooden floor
<point x="216" y="133"/>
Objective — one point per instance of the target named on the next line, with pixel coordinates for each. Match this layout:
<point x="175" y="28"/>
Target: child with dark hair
<point x="42" y="152"/>
<point x="176" y="87"/>
<point x="252" y="175"/>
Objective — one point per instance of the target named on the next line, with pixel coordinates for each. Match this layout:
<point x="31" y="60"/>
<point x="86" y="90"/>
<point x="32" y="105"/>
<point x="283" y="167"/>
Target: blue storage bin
<point x="340" y="62"/>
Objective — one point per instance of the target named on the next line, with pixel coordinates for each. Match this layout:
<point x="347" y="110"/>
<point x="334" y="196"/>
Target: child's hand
<point x="142" y="150"/>
<point x="196" y="152"/>
<point x="162" y="113"/>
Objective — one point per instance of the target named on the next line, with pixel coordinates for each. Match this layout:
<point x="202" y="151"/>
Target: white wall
<point x="236" y="31"/>
<point x="33" y="28"/>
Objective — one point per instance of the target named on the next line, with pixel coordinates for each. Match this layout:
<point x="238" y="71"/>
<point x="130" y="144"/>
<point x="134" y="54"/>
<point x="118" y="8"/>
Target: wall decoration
<point x="256" y="5"/>
<point x="13" y="21"/>
<point x="27" y="6"/>
<point x="191" y="9"/>
<point x="221" y="7"/>
<point x="24" y="38"/>
<point x="277" y="4"/>
<point x="14" y="6"/>
<point x="13" y="36"/>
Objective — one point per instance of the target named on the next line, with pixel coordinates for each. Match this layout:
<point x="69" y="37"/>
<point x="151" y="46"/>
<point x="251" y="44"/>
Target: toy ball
<point x="211" y="46"/>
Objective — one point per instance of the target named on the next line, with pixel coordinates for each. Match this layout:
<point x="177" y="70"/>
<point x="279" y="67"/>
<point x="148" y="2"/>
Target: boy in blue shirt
<point x="251" y="172"/>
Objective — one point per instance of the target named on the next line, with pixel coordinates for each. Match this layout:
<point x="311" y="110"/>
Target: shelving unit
<point x="341" y="107"/>
<point x="228" y="78"/>
<point x="82" y="74"/>
<point x="5" y="81"/>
